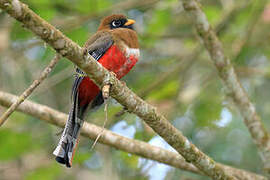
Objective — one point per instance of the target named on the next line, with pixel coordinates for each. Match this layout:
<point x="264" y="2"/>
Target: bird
<point x="115" y="46"/>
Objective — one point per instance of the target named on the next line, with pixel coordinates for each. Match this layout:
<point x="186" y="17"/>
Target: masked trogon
<point x="115" y="46"/>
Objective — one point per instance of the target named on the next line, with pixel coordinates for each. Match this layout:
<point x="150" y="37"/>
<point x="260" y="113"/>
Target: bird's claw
<point x="113" y="73"/>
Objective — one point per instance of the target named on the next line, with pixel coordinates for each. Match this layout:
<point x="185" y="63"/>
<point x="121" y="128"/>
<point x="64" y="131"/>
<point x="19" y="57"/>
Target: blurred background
<point x="175" y="74"/>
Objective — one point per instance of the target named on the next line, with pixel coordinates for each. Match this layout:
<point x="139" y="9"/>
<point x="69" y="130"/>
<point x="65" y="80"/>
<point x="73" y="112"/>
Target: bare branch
<point x="227" y="73"/>
<point x="109" y="138"/>
<point x="29" y="90"/>
<point x="221" y="27"/>
<point x="119" y="91"/>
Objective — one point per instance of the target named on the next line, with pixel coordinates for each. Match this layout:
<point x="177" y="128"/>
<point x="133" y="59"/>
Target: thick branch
<point x="139" y="148"/>
<point x="119" y="91"/>
<point x="233" y="87"/>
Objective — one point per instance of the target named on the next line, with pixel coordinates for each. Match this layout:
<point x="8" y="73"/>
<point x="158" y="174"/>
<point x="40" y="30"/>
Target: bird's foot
<point x="113" y="73"/>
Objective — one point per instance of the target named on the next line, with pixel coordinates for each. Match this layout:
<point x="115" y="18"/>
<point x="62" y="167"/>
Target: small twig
<point x="106" y="91"/>
<point x="121" y="112"/>
<point x="54" y="80"/>
<point x="120" y="92"/>
<point x="220" y="28"/>
<point x="105" y="94"/>
<point x="132" y="146"/>
<point x="29" y="90"/>
<point x="241" y="43"/>
<point x="233" y="87"/>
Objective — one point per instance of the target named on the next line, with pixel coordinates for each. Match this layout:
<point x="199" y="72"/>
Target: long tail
<point x="65" y="149"/>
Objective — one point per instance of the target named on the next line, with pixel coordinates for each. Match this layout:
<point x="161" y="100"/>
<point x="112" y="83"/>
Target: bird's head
<point x="116" y="21"/>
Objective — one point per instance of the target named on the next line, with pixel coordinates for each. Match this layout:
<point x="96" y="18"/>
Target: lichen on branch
<point x="119" y="91"/>
<point x="231" y="82"/>
<point x="109" y="138"/>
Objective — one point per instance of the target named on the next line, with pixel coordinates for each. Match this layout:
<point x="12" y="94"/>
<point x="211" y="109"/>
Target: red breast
<point x="124" y="54"/>
<point x="120" y="57"/>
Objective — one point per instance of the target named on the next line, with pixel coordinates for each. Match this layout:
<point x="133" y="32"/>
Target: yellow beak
<point x="129" y="22"/>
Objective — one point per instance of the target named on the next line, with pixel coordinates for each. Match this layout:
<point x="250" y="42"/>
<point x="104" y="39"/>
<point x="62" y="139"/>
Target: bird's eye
<point x="116" y="23"/>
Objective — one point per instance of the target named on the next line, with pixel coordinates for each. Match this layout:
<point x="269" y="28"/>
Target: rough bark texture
<point x="67" y="48"/>
<point x="119" y="142"/>
<point x="119" y="91"/>
<point x="227" y="74"/>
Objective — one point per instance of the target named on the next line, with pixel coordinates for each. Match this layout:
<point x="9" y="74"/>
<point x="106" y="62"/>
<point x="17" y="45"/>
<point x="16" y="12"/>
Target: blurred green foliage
<point x="44" y="173"/>
<point x="14" y="144"/>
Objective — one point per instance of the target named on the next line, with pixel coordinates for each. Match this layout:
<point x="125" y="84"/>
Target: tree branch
<point x="109" y="138"/>
<point x="233" y="87"/>
<point x="220" y="28"/>
<point x="119" y="91"/>
<point x="30" y="89"/>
